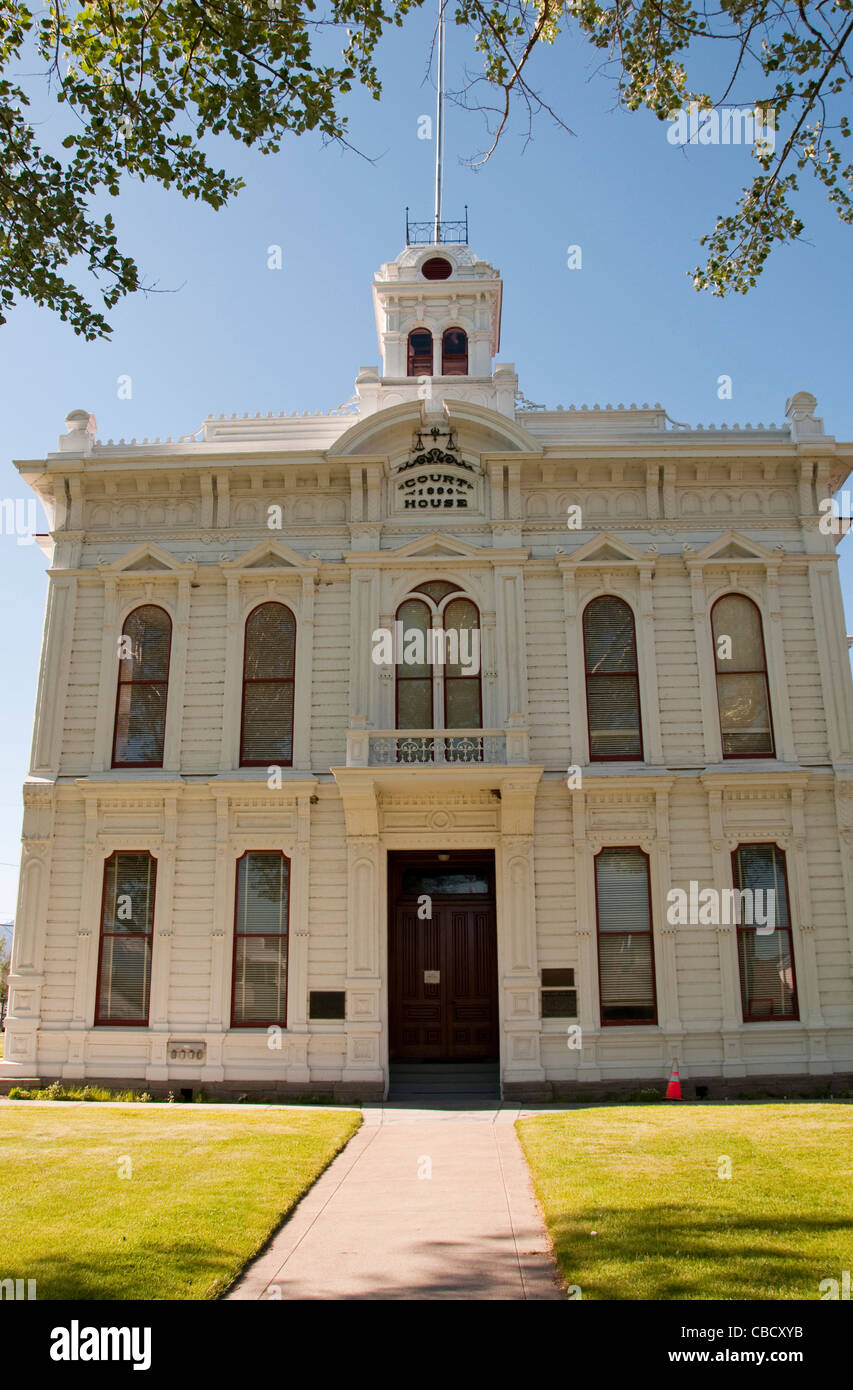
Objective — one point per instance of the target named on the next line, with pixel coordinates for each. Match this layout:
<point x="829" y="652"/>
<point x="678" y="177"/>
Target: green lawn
<point x="206" y="1189"/>
<point x="645" y="1179"/>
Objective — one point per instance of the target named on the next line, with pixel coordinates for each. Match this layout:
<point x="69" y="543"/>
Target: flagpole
<point x="439" y="124"/>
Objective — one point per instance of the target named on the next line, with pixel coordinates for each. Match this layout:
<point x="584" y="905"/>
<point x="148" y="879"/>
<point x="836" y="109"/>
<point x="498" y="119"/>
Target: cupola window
<point x="436" y="268"/>
<point x="454" y="353"/>
<point x="420" y="352"/>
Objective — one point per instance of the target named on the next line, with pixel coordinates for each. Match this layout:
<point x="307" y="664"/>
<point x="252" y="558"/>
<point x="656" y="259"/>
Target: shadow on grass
<point x="190" y="1271"/>
<point x="668" y="1251"/>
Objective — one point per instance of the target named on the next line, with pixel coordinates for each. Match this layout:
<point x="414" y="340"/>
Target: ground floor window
<point x="127" y="927"/>
<point x="626" y="966"/>
<point x="259" y="994"/>
<point x="768" y="985"/>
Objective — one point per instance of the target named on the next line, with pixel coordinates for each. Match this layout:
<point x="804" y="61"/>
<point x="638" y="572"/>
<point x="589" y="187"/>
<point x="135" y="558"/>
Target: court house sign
<point x="431" y="486"/>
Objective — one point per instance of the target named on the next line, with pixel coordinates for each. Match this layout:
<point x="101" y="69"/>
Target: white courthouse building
<point x="258" y="857"/>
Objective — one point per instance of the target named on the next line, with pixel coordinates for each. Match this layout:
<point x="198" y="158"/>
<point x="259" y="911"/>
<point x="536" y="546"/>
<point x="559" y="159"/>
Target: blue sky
<point x="226" y="334"/>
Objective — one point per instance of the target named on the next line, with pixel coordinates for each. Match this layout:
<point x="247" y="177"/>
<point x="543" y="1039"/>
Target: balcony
<point x="436" y="748"/>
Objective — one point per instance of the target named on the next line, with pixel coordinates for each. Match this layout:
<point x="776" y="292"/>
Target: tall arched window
<point x="413" y="669"/>
<point x="454" y="352"/>
<point x="419" y="361"/>
<point x="266" y="732"/>
<point x="437" y="666"/>
<point x="143" y="685"/>
<point x="463" y="705"/>
<point x="742" y="693"/>
<point x="612" y="681"/>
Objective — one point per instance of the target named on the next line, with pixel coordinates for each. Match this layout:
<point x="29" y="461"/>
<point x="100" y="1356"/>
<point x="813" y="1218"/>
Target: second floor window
<point x="463" y="705"/>
<point x="414" y="676"/>
<point x="143" y="685"/>
<point x="612" y="680"/>
<point x="266" y="733"/>
<point x="742" y="693"/>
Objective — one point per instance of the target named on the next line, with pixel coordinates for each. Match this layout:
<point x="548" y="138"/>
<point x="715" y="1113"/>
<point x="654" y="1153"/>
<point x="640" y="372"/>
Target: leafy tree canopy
<point x="144" y="81"/>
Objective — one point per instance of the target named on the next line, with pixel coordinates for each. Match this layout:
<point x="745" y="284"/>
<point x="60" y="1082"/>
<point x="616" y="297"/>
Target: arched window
<point x="437" y="669"/>
<point x="413" y="669"/>
<point x="463" y="706"/>
<point x="612" y="682"/>
<point x="742" y="694"/>
<point x="420" y="353"/>
<point x="143" y="685"/>
<point x="266" y="732"/>
<point x="454" y="352"/>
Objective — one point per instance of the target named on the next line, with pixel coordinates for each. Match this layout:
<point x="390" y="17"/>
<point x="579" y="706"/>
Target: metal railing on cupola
<point x="437" y="233"/>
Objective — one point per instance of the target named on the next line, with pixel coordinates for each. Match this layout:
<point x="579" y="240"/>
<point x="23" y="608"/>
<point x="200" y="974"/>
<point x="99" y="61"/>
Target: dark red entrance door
<point x="442" y="967"/>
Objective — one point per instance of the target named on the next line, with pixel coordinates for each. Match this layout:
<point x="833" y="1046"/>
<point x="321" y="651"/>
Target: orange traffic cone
<point x="673" y="1090"/>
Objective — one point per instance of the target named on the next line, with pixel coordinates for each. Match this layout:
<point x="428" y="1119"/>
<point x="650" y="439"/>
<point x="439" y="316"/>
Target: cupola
<point x="438" y="313"/>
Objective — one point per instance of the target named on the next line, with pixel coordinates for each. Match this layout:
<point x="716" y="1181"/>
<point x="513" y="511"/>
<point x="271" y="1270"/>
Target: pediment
<point x="733" y="546"/>
<point x="437" y="547"/>
<point x="607" y="549"/>
<point x="271" y="555"/>
<point x="147" y="558"/>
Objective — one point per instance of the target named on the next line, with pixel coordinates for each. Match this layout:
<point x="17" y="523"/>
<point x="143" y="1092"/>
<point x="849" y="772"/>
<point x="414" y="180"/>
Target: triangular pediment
<point x="607" y="549"/>
<point x="270" y="555"/>
<point x="146" y="562"/>
<point x="438" y="547"/>
<point x="733" y="546"/>
<point x="146" y="558"/>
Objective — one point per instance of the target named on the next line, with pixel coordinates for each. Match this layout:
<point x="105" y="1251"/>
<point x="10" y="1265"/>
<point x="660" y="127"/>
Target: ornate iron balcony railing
<point x="435" y="747"/>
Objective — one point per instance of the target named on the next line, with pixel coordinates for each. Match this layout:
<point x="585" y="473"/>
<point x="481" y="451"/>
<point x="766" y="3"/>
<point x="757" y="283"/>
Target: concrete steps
<point x="444" y="1081"/>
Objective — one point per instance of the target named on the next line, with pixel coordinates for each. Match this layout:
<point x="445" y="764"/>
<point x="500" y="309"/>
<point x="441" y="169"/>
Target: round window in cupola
<point x="436" y="268"/>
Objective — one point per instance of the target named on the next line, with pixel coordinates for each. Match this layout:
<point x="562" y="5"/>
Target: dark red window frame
<point x="762" y="671"/>
<point x="626" y="1022"/>
<point x="148" y="935"/>
<point x="264" y="680"/>
<point x="419" y="363"/>
<point x="454" y="363"/>
<point x="613" y="675"/>
<point x="269" y="1022"/>
<point x="122" y="684"/>
<point x="794" y="1016"/>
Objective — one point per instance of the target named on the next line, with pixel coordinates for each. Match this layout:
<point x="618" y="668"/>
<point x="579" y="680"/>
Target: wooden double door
<point x="442" y="958"/>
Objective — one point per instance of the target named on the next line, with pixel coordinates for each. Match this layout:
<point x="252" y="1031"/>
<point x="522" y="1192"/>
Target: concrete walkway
<point x="422" y="1204"/>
